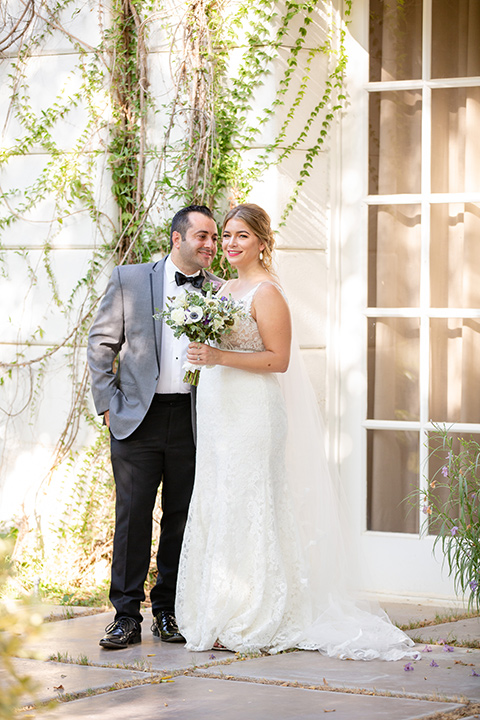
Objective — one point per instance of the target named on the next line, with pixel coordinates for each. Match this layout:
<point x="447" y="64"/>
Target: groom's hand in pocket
<point x="106" y="418"/>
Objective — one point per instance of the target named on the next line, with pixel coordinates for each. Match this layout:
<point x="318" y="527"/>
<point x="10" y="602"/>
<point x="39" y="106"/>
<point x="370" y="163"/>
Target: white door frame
<point x="400" y="565"/>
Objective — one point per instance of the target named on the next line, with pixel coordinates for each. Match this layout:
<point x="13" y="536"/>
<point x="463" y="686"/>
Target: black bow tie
<point x="196" y="280"/>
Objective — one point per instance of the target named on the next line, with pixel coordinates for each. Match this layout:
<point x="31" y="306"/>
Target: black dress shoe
<point x="122" y="632"/>
<point x="165" y="627"/>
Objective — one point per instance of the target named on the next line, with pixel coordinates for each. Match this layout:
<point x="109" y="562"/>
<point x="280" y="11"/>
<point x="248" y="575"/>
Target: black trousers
<point x="161" y="449"/>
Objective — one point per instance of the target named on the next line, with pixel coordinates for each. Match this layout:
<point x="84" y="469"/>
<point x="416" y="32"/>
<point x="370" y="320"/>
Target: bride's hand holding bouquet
<point x="203" y="319"/>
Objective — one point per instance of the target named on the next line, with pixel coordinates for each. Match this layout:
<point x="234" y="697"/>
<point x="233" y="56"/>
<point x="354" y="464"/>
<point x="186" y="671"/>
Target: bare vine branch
<point x="18" y="26"/>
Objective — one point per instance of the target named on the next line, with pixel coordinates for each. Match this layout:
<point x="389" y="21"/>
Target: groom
<point x="137" y="384"/>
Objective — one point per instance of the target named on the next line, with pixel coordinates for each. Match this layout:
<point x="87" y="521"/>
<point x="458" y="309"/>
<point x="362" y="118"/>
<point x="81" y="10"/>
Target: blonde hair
<point x="260" y="224"/>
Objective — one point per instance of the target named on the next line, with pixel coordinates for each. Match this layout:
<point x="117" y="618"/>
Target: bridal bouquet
<point x="202" y="318"/>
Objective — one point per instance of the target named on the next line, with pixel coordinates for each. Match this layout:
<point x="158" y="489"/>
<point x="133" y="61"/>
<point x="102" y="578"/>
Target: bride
<point x="264" y="564"/>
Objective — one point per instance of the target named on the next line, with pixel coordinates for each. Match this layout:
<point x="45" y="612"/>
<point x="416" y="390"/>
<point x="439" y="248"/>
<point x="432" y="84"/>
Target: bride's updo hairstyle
<point x="259" y="223"/>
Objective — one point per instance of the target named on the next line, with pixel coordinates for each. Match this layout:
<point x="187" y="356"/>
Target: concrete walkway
<point x="154" y="680"/>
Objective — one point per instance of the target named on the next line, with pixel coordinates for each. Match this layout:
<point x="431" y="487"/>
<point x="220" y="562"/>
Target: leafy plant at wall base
<point x="451" y="504"/>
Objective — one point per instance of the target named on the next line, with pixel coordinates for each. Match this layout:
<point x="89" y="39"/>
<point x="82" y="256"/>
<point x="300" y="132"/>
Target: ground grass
<point x="439" y="619"/>
<point x="469" y="710"/>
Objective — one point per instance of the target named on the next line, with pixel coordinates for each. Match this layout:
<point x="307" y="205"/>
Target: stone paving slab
<point x="55" y="613"/>
<point x="464" y="631"/>
<point x="452" y="679"/>
<point x="204" y="699"/>
<point x="51" y="612"/>
<point x="200" y="697"/>
<point x="399" y="612"/>
<point x="406" y="613"/>
<point x="78" y="639"/>
<point x="53" y="679"/>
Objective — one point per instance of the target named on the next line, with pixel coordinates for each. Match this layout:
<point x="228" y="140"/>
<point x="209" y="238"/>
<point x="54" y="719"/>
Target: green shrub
<point x="450" y="503"/>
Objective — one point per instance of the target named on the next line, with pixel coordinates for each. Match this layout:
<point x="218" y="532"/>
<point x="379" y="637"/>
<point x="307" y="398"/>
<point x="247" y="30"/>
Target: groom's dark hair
<point x="181" y="222"/>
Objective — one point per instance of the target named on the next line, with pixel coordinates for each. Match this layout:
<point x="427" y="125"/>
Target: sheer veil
<point x="341" y="624"/>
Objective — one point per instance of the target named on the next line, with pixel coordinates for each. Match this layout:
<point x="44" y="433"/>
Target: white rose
<point x="217" y="323"/>
<point x="178" y="316"/>
<point x="179" y="301"/>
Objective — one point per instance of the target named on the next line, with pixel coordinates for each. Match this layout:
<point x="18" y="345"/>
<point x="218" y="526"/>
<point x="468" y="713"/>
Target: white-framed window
<point x="423" y="265"/>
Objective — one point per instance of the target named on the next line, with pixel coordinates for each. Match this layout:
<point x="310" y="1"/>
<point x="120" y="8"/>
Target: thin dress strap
<point x="251" y="293"/>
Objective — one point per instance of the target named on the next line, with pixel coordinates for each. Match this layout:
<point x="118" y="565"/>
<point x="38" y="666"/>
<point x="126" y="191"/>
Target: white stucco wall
<point x="28" y="437"/>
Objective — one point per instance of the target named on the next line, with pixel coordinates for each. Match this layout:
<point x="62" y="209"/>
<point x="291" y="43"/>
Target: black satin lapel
<point x="156" y="290"/>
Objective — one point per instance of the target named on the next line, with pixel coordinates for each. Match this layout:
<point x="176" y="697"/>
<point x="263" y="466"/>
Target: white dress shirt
<point x="173" y="352"/>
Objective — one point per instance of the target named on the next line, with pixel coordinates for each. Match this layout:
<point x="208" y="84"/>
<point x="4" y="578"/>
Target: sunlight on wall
<point x="20" y="487"/>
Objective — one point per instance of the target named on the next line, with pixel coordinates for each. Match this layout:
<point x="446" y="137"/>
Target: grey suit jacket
<point x="125" y="329"/>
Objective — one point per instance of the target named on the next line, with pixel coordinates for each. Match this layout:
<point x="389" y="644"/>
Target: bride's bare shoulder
<point x="270" y="296"/>
<point x="270" y="287"/>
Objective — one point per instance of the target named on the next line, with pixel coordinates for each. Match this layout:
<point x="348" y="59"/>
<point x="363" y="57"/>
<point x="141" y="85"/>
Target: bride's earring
<point x="260" y="256"/>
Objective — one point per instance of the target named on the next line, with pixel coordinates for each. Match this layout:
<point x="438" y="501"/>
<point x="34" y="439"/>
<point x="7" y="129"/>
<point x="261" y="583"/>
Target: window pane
<point x="455" y="38"/>
<point x="393" y="471"/>
<point x="394" y="256"/>
<point x="393" y="368"/>
<point x="455" y="255"/>
<point x="395" y="40"/>
<point x="456" y="140"/>
<point x="394" y="147"/>
<point x="455" y="374"/>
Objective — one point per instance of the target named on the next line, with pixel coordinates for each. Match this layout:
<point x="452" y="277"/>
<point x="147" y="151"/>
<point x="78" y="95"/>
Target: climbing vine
<point x="113" y="159"/>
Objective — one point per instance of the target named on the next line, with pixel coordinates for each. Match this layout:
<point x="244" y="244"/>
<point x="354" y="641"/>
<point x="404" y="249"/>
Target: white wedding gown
<point x="262" y="564"/>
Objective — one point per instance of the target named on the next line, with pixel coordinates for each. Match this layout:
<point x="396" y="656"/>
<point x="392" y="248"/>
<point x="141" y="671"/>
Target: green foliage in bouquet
<point x="451" y="505"/>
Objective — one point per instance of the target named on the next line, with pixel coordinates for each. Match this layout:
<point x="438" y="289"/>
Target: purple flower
<point x="433" y="664"/>
<point x="445" y="471"/>
<point x="212" y="657"/>
<point x="408" y="667"/>
<point x="475" y="674"/>
<point x="454" y="530"/>
<point x="427" y="648"/>
<point x="447" y="648"/>
<point x="473" y="585"/>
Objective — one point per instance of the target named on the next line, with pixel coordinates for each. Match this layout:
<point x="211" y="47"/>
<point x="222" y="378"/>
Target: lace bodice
<point x="246" y="337"/>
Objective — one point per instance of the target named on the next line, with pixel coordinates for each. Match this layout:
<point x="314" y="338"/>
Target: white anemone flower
<point x="193" y="314"/>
